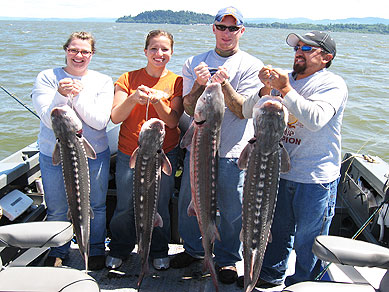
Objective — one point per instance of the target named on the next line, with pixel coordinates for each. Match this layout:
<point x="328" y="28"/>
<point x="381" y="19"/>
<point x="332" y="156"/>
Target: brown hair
<point x="82" y="35"/>
<point x="156" y="33"/>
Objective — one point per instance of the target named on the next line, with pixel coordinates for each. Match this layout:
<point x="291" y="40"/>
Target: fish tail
<point x="144" y="270"/>
<point x="86" y="261"/>
<point x="208" y="264"/>
<point x="251" y="276"/>
<point x="140" y="279"/>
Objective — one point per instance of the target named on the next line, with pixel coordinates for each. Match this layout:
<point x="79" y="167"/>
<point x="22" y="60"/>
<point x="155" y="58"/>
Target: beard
<point x="299" y="68"/>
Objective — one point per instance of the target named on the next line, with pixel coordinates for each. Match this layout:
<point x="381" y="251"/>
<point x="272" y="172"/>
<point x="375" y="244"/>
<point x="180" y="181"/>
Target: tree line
<point x="189" y="17"/>
<point x="169" y="16"/>
<point x="347" y="27"/>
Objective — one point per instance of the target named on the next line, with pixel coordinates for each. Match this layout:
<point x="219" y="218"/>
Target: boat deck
<point x="125" y="278"/>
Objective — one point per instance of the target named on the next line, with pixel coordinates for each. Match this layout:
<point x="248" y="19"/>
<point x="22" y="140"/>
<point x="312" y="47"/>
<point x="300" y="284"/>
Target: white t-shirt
<point x="243" y="76"/>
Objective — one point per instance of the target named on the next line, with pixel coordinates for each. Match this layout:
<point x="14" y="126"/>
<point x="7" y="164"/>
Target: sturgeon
<point x="263" y="158"/>
<point x="72" y="151"/>
<point x="204" y="137"/>
<point x="148" y="159"/>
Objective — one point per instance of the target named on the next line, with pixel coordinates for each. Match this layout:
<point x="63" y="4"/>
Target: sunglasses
<point x="232" y="28"/>
<point x="84" y="53"/>
<point x="305" y="48"/>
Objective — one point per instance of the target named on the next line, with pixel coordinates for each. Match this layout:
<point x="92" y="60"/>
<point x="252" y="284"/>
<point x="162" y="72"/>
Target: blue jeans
<point x="57" y="205"/>
<point x="122" y="225"/>
<point x="303" y="211"/>
<point x="229" y="201"/>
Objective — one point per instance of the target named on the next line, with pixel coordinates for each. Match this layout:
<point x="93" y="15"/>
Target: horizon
<point x="115" y="18"/>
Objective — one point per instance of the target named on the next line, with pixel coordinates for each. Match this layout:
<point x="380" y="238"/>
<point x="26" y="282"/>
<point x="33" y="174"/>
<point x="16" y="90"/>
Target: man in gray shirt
<point x="316" y="99"/>
<point x="237" y="73"/>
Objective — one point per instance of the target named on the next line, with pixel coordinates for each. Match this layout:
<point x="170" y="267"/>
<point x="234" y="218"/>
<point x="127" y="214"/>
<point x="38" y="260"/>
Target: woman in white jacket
<point x="90" y="94"/>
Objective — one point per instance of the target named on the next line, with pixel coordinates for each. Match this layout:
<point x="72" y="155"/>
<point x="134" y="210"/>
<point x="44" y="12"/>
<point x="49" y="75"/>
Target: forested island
<point x="169" y="16"/>
<point x="189" y="17"/>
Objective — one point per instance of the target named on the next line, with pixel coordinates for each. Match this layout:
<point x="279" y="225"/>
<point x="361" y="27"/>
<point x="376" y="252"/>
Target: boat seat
<point x="36" y="234"/>
<point x="346" y="251"/>
<point x="43" y="279"/>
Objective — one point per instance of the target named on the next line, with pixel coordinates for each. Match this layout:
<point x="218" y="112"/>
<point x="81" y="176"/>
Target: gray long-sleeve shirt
<point x="313" y="137"/>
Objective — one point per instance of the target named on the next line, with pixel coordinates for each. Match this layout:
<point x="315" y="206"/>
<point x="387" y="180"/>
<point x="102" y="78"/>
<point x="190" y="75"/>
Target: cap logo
<point x="231" y="10"/>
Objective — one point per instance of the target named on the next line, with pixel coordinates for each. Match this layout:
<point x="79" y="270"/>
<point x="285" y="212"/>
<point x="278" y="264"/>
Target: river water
<point x="28" y="47"/>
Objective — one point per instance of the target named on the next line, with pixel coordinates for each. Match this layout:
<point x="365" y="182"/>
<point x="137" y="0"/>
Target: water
<point x="26" y="48"/>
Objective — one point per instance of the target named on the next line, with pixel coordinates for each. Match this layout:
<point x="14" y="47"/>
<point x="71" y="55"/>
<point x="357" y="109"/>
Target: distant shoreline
<point x="339" y="25"/>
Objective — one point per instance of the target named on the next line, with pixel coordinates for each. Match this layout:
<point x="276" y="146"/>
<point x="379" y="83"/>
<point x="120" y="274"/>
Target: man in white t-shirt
<point x="316" y="99"/>
<point x="237" y="72"/>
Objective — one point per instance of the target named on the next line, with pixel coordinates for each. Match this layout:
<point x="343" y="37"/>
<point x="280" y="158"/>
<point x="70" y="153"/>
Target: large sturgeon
<point x="148" y="160"/>
<point x="73" y="150"/>
<point x="204" y="138"/>
<point x="264" y="158"/>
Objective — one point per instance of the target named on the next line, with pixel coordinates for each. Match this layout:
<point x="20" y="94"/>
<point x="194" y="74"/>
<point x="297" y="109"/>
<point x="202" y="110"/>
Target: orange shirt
<point x="171" y="84"/>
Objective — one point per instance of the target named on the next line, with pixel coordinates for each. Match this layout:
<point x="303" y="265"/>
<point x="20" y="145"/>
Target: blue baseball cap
<point x="229" y="11"/>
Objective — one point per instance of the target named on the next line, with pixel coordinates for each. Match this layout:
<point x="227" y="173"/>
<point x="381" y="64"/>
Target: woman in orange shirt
<point x="150" y="92"/>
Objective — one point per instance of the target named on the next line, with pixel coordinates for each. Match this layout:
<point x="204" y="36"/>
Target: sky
<point x="316" y="10"/>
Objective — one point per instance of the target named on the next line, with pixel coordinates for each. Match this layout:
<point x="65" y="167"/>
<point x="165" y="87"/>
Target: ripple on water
<point x="31" y="47"/>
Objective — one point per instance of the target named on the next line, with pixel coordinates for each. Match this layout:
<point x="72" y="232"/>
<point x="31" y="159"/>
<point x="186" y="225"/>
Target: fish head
<point x="65" y="122"/>
<point x="210" y="106"/>
<point x="152" y="134"/>
<point x="270" y="118"/>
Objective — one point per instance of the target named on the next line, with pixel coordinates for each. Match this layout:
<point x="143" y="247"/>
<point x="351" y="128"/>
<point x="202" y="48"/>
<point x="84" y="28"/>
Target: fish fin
<point x="270" y="238"/>
<point x="191" y="209"/>
<point x="215" y="233"/>
<point x="187" y="138"/>
<point x="90" y="152"/>
<point x="69" y="216"/>
<point x="285" y="160"/>
<point x="92" y="214"/>
<point x="56" y="158"/>
<point x="133" y="158"/>
<point x="245" y="154"/>
<point x="241" y="235"/>
<point x="158" y="222"/>
<point x="166" y="166"/>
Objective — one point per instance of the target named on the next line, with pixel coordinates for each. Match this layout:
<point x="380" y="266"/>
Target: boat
<point x="362" y="197"/>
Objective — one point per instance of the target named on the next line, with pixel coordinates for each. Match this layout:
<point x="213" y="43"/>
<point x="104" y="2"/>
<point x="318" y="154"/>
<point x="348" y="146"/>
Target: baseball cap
<point x="314" y="38"/>
<point x="229" y="11"/>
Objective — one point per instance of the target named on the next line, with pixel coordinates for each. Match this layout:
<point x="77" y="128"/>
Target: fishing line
<point x="147" y="108"/>
<point x="19" y="101"/>
<point x="367" y="222"/>
<point x="359" y="150"/>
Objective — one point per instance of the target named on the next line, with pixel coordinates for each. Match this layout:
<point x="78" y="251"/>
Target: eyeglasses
<point x="232" y="28"/>
<point x="84" y="53"/>
<point x="305" y="48"/>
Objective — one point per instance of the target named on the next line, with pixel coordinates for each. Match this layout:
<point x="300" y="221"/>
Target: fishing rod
<point x="19" y="101"/>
